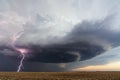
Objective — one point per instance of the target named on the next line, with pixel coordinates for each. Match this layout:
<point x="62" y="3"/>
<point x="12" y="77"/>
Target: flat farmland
<point x="106" y="75"/>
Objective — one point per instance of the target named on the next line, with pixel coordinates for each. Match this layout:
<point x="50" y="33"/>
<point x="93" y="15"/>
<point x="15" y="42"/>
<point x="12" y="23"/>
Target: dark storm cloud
<point x="68" y="52"/>
<point x="87" y="40"/>
<point x="10" y="63"/>
<point x="8" y="51"/>
<point x="52" y="34"/>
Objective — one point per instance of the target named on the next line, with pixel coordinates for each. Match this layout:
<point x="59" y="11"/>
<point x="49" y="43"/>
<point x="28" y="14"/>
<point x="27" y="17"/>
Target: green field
<point x="60" y="76"/>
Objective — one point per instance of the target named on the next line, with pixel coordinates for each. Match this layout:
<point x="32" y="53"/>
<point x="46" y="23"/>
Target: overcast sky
<point x="60" y="35"/>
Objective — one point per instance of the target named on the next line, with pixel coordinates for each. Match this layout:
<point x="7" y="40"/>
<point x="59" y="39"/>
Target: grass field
<point x="60" y="76"/>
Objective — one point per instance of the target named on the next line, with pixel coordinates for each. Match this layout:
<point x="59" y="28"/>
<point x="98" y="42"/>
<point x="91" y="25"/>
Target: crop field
<point x="60" y="76"/>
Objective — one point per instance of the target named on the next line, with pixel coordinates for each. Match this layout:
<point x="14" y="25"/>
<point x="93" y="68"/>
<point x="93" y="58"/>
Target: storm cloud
<point x="58" y="32"/>
<point x="85" y="41"/>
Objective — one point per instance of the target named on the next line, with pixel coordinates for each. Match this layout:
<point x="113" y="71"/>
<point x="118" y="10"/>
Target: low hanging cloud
<point x="55" y="37"/>
<point x="85" y="41"/>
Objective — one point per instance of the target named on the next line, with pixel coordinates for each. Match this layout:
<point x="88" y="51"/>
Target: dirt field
<point x="60" y="76"/>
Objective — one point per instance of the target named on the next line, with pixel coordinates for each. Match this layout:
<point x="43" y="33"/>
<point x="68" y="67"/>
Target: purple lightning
<point x="22" y="51"/>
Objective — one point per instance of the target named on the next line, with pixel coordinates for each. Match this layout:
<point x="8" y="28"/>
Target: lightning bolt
<point x="22" y="51"/>
<point x="21" y="62"/>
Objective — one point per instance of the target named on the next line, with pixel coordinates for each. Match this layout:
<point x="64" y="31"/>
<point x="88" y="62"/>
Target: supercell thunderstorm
<point x="77" y="45"/>
<point x="55" y="31"/>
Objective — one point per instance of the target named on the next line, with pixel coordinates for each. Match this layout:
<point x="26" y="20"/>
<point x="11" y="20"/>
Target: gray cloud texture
<point x="59" y="31"/>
